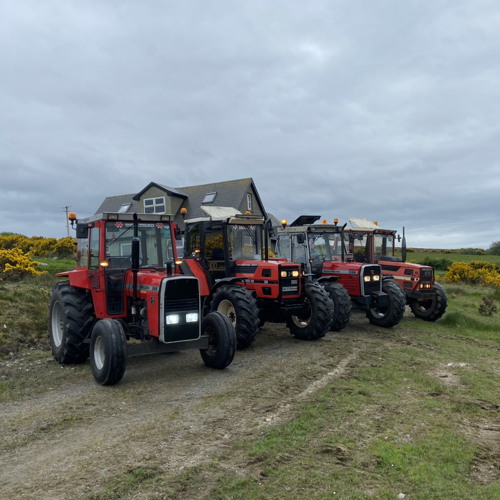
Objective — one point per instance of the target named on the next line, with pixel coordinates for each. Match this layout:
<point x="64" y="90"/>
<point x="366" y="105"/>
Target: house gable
<point x="240" y="194"/>
<point x="155" y="198"/>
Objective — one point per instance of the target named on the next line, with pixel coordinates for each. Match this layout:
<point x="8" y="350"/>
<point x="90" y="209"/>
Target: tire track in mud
<point x="168" y="413"/>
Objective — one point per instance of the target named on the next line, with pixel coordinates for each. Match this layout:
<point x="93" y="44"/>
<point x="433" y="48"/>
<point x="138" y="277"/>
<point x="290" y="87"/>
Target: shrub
<point x="38" y="245"/>
<point x="494" y="248"/>
<point x="488" y="307"/>
<point x="475" y="272"/>
<point x="438" y="264"/>
<point x="15" y="265"/>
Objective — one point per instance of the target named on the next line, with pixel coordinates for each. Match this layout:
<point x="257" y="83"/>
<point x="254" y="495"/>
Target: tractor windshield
<point x="292" y="247"/>
<point x="156" y="244"/>
<point x="383" y="245"/>
<point x="245" y="242"/>
<point x="322" y="246"/>
<point x="326" y="246"/>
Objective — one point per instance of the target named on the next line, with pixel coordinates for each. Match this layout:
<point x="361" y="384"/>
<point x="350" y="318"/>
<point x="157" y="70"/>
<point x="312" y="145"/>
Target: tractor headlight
<point x="173" y="319"/>
<point x="191" y="317"/>
<point x="295" y="274"/>
<point x="283" y="274"/>
<point x="376" y="277"/>
<point x="366" y="278"/>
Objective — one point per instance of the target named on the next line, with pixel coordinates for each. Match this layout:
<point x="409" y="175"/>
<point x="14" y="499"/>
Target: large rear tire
<point x="392" y="314"/>
<point x="221" y="340"/>
<point x="240" y="306"/>
<point x="316" y="321"/>
<point x="430" y="309"/>
<point x="71" y="317"/>
<point x="342" y="305"/>
<point x="108" y="351"/>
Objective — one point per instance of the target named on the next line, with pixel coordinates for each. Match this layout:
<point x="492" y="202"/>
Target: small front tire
<point x="342" y="305"/>
<point x="315" y="322"/>
<point x="392" y="314"/>
<point x="221" y="340"/>
<point x="108" y="351"/>
<point x="430" y="309"/>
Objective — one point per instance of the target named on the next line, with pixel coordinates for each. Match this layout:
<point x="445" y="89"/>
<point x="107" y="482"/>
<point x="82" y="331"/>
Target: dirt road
<point x="169" y="412"/>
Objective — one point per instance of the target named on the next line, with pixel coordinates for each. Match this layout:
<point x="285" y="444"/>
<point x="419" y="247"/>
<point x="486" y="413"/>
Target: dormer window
<point x="154" y="205"/>
<point x="209" y="197"/>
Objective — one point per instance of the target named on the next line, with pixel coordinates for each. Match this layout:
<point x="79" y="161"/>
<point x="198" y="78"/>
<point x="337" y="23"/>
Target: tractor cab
<point x="127" y="286"/>
<point x="229" y="253"/>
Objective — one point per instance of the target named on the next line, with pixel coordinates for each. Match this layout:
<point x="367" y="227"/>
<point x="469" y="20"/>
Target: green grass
<point x="405" y="420"/>
<point x="407" y="417"/>
<point x="53" y="266"/>
<point x="435" y="255"/>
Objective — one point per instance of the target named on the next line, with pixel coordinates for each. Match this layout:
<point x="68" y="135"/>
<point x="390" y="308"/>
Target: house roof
<point x="228" y="194"/>
<point x="115" y="203"/>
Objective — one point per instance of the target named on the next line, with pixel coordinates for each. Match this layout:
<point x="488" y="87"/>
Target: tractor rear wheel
<point x="240" y="306"/>
<point x="341" y="305"/>
<point x="430" y="309"/>
<point x="108" y="351"/>
<point x="316" y="320"/>
<point x="221" y="340"/>
<point x="71" y="316"/>
<point x="391" y="314"/>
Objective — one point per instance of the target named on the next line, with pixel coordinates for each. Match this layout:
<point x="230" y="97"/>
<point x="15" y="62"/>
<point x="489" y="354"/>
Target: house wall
<point x="172" y="203"/>
<point x="255" y="209"/>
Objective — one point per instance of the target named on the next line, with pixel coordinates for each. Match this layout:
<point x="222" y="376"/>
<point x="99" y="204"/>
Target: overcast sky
<point x="383" y="109"/>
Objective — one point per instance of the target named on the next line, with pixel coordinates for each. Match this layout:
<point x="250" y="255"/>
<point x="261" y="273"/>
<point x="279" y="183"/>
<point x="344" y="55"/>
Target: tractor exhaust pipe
<point x="403" y="246"/>
<point x="136" y="245"/>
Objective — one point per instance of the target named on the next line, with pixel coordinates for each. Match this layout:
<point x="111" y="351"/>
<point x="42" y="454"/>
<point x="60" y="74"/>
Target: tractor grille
<point x="179" y="318"/>
<point x="289" y="285"/>
<point x="373" y="285"/>
<point x="179" y="305"/>
<point x="181" y="294"/>
<point x="426" y="274"/>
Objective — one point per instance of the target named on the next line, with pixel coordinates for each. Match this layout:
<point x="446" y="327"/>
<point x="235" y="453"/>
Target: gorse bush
<point x="475" y="272"/>
<point x="38" y="245"/>
<point x="15" y="265"/>
<point x="17" y="251"/>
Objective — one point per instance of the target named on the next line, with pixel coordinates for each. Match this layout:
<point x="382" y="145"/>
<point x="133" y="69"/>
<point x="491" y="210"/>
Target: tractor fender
<point x="386" y="277"/>
<point x="327" y="279"/>
<point x="219" y="283"/>
<point x="225" y="281"/>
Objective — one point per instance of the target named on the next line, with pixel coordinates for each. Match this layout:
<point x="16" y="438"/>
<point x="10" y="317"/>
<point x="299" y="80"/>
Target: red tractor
<point x="127" y="286"/>
<point x="321" y="250"/>
<point x="369" y="243"/>
<point x="229" y="253"/>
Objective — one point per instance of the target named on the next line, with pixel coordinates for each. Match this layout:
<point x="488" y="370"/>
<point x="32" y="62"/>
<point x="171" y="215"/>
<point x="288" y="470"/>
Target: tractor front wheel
<point x="318" y="315"/>
<point x="341" y="305"/>
<point x="71" y="316"/>
<point x="430" y="309"/>
<point x="221" y="340"/>
<point x="240" y="306"/>
<point x="108" y="351"/>
<point x="390" y="315"/>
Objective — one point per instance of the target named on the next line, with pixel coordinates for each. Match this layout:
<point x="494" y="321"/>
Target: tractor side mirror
<point x="82" y="230"/>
